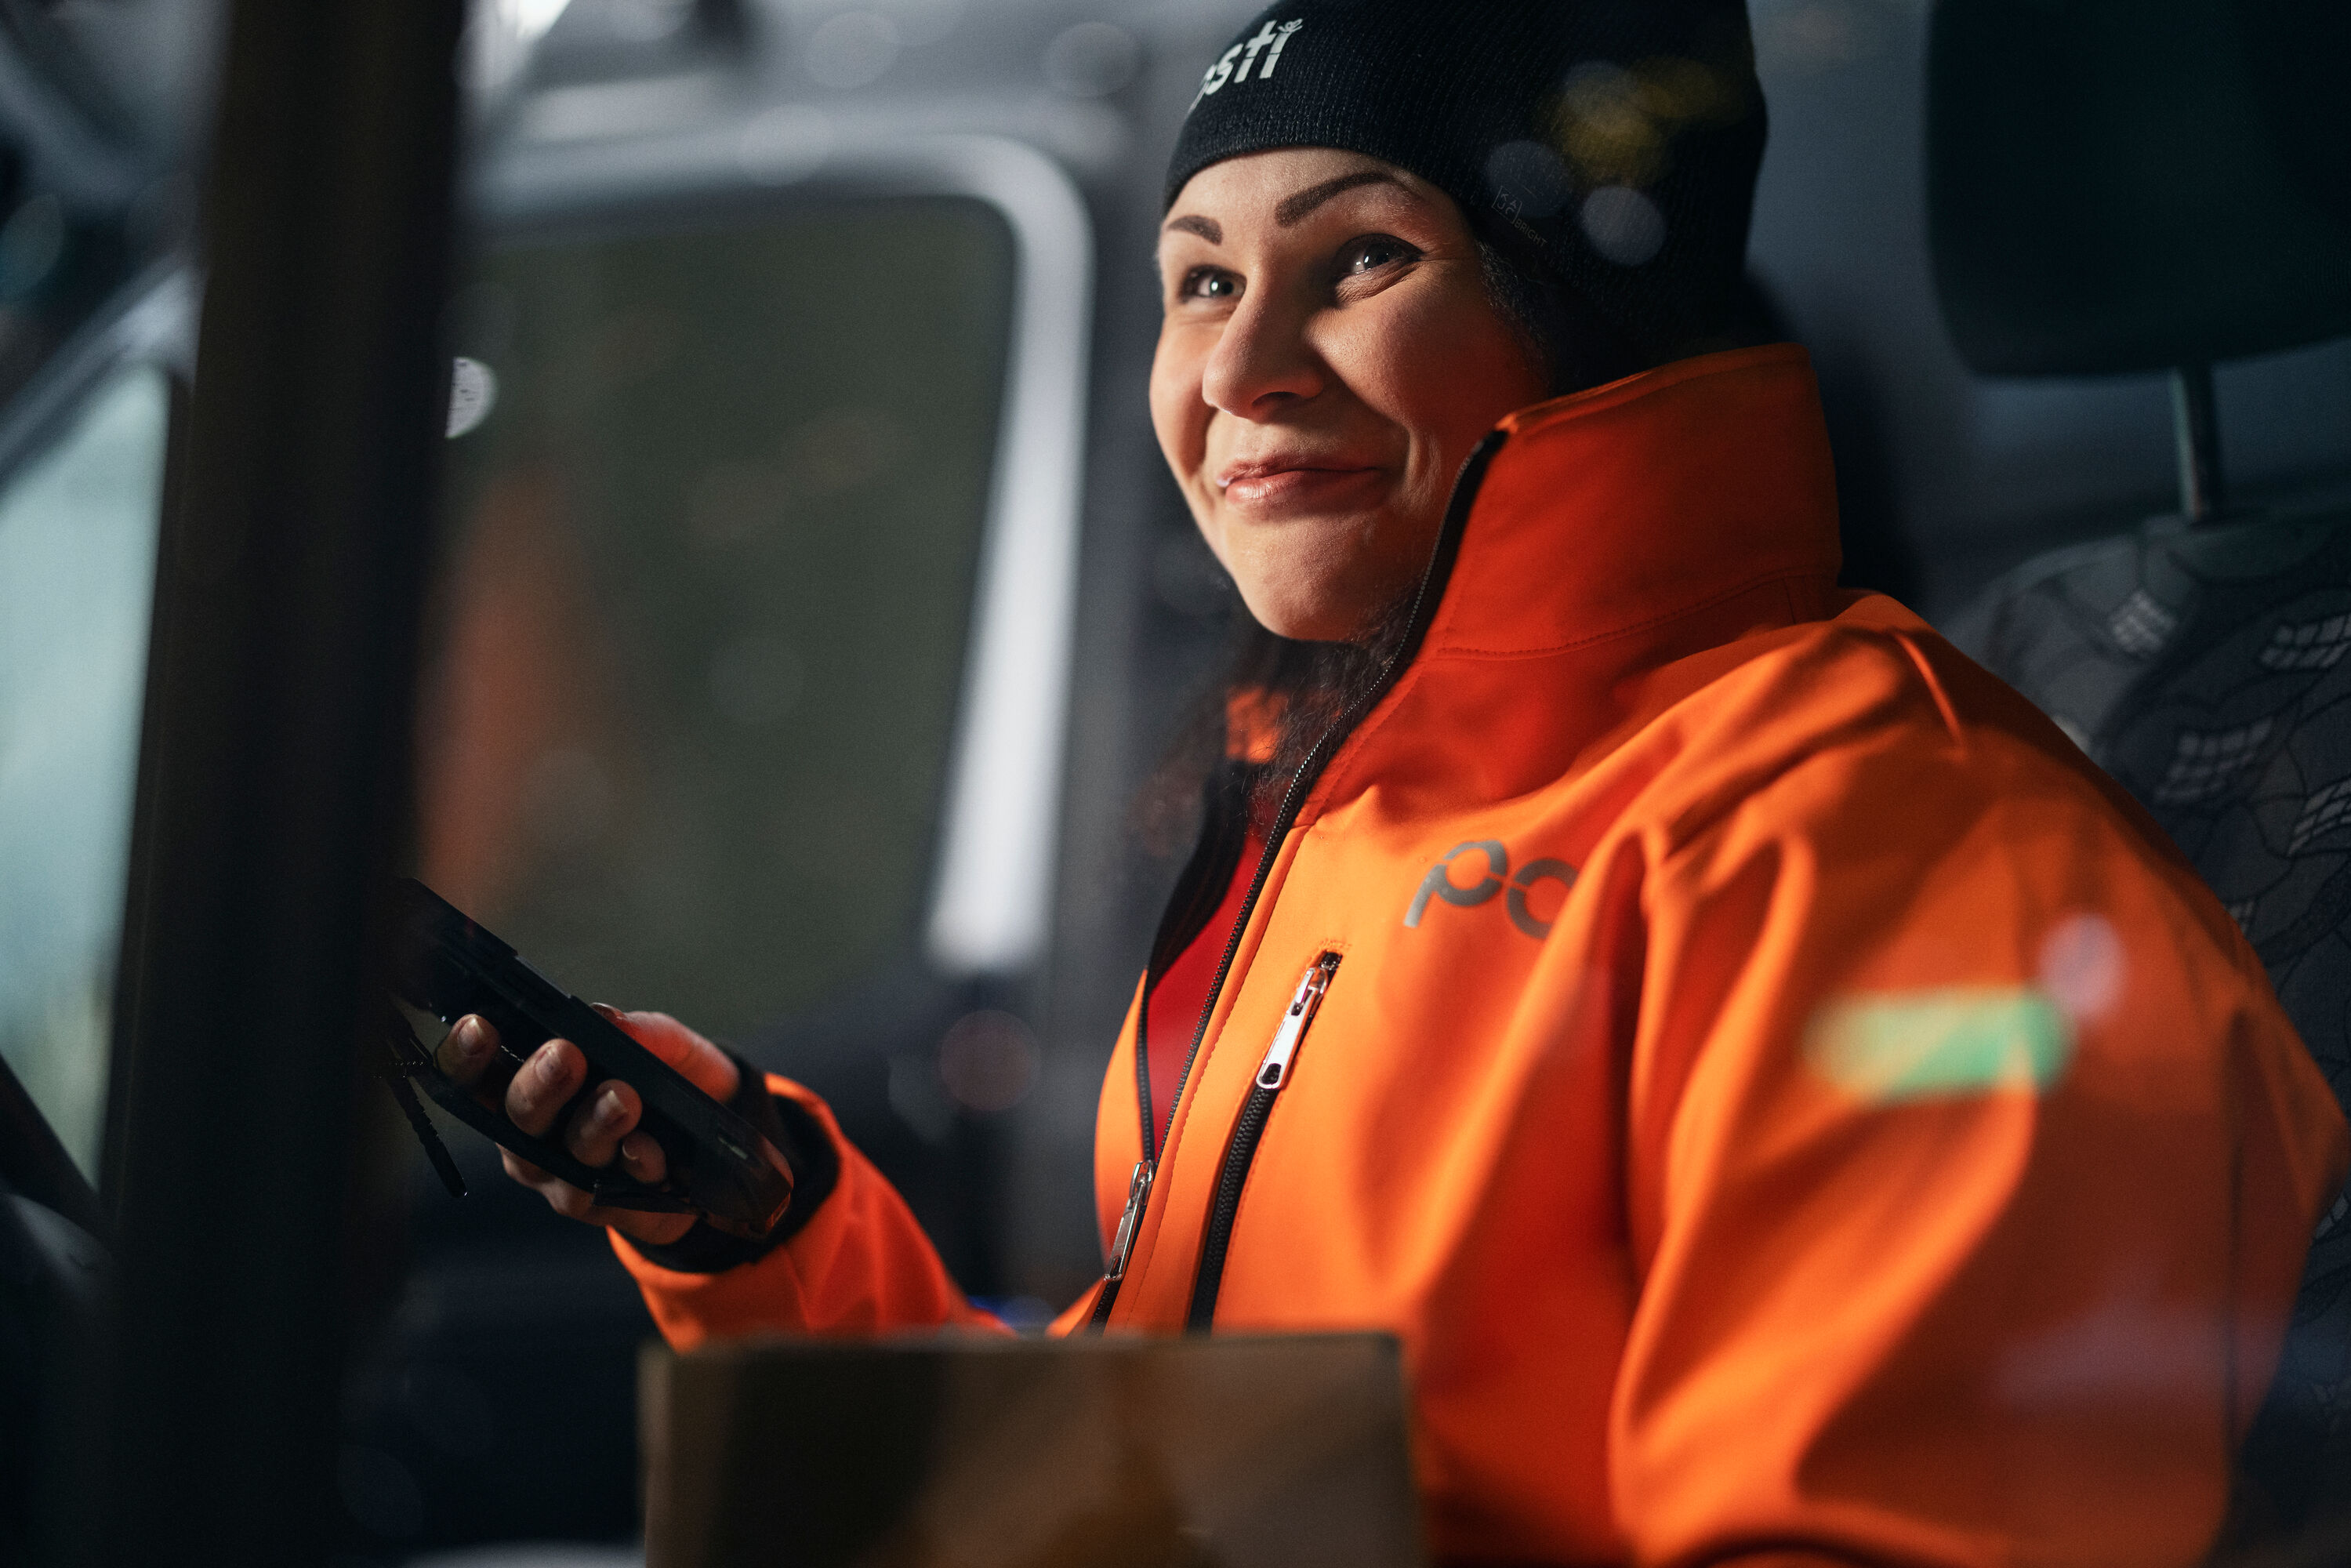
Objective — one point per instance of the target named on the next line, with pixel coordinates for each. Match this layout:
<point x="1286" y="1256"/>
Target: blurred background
<point x="812" y="602"/>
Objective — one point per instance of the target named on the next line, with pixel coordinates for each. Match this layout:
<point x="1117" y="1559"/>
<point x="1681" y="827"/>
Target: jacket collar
<point x="1606" y="535"/>
<point x="1608" y="509"/>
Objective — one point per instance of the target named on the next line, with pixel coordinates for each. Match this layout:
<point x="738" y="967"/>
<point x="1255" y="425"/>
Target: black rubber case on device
<point x="444" y="964"/>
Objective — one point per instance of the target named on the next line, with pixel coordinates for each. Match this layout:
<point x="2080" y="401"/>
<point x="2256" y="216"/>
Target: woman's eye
<point x="1372" y="253"/>
<point x="1209" y="283"/>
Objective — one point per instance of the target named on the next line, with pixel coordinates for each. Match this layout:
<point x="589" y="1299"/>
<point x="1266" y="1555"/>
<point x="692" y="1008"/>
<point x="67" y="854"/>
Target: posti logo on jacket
<point x="1439" y="884"/>
<point x="1260" y="52"/>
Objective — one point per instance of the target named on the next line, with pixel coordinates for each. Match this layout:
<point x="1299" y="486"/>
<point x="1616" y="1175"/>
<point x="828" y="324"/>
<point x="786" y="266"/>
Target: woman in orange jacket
<point x="1789" y="1106"/>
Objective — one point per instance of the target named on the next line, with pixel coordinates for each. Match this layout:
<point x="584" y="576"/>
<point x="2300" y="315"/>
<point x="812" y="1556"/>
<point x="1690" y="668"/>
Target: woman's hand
<point x="602" y="1124"/>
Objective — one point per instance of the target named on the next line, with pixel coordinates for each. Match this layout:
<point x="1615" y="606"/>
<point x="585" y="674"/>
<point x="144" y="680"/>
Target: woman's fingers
<point x="544" y="1084"/>
<point x="561" y="1196"/>
<point x="467" y="1051"/>
<point x="603" y="1128"/>
<point x="609" y="1115"/>
<point x="523" y="1171"/>
<point x="641" y="1157"/>
<point x="573" y="1204"/>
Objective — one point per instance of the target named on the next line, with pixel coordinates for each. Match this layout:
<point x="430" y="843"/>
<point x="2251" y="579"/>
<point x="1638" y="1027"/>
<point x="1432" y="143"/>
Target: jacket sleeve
<point x="1971" y="1165"/>
<point x="860" y="1264"/>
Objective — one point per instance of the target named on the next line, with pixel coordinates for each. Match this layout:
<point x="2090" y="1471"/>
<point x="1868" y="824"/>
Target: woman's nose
<point x="1262" y="362"/>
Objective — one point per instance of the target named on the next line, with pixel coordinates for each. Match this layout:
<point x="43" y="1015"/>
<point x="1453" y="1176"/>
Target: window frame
<point x="988" y="908"/>
<point x="152" y="319"/>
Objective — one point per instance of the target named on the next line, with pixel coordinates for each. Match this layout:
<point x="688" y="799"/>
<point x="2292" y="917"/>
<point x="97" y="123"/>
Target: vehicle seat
<point x="2119" y="186"/>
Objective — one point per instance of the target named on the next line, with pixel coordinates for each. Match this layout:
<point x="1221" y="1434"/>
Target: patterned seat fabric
<point x="2209" y="672"/>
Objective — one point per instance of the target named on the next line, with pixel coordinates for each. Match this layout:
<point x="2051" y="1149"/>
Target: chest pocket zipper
<point x="1273" y="1074"/>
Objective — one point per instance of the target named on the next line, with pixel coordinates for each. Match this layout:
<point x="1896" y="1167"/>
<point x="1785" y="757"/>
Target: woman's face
<point x="1328" y="358"/>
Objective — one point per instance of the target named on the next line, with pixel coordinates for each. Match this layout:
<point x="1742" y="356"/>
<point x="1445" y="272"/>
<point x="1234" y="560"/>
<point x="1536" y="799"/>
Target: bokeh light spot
<point x="1092" y="59"/>
<point x="851" y="50"/>
<point x="1528" y="179"/>
<point x="1624" y="226"/>
<point x="988" y="1061"/>
<point x="2082" y="966"/>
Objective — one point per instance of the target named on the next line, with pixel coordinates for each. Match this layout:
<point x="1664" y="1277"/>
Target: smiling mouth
<point x="1255" y="485"/>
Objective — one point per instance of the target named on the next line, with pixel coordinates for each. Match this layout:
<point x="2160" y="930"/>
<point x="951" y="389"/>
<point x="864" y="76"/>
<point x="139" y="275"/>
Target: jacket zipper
<point x="1272" y="1076"/>
<point x="1424" y="609"/>
<point x="1189" y="909"/>
<point x="1122" y="1246"/>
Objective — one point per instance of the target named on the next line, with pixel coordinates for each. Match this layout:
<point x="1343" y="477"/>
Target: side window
<point x="708" y="588"/>
<point x="78" y="531"/>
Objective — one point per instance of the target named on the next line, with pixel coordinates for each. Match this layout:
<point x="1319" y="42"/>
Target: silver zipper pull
<point x="1275" y="1069"/>
<point x="1138" y="1194"/>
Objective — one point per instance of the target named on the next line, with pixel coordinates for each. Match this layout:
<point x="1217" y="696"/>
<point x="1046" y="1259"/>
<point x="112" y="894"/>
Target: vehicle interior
<point x="787" y="614"/>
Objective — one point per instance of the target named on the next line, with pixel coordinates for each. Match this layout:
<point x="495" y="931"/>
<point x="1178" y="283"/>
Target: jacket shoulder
<point x="1872" y="721"/>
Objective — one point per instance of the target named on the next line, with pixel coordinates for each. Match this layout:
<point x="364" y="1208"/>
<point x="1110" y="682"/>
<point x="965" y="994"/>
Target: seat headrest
<point x="2119" y="185"/>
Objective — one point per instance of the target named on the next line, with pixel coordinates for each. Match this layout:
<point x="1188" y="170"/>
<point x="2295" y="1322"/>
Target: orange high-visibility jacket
<point x="1789" y="1103"/>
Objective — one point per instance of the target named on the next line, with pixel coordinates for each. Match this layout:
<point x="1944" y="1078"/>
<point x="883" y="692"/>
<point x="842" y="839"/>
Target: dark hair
<point x="1571" y="345"/>
<point x="1303" y="690"/>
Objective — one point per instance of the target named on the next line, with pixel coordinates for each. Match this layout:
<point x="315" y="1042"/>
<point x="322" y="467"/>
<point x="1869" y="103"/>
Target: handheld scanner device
<point x="444" y="963"/>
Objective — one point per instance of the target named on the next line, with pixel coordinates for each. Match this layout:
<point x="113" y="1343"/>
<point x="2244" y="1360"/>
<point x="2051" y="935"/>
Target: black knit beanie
<point x="1607" y="148"/>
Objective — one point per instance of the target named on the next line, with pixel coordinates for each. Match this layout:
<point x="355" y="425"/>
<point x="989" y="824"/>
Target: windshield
<point x="708" y="581"/>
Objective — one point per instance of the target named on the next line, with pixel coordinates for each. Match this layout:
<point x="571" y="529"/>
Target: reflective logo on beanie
<point x="1259" y="53"/>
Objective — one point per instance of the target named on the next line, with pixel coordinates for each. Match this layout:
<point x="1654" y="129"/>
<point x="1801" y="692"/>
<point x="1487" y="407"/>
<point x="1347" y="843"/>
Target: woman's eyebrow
<point x="1294" y="208"/>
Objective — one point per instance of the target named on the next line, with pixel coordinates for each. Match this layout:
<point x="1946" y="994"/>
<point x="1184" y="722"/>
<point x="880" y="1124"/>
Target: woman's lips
<point x="1286" y="486"/>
